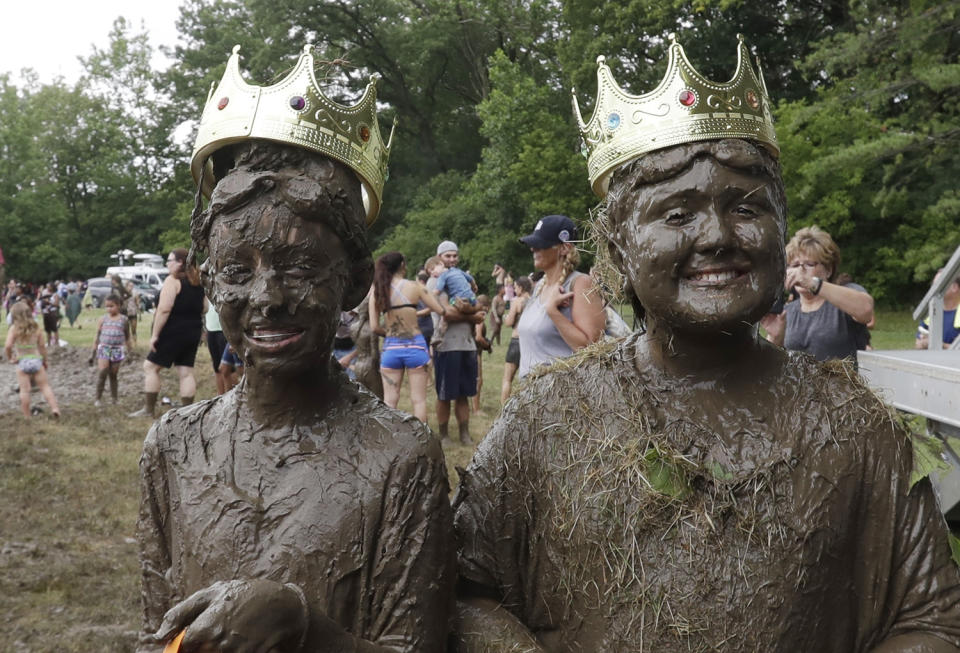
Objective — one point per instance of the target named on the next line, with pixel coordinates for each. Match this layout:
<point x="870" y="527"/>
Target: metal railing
<point x="932" y="303"/>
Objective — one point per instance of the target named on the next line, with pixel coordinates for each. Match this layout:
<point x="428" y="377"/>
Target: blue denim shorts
<point x="400" y="353"/>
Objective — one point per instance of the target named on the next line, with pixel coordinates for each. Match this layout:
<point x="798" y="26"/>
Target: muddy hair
<point x="386" y="266"/>
<point x="655" y="167"/>
<point x="188" y="270"/>
<point x="22" y="318"/>
<point x="253" y="168"/>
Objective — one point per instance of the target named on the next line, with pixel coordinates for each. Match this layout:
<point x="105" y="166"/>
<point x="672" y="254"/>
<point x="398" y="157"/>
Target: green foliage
<point x="88" y="166"/>
<point x="529" y="168"/>
<point x="872" y="156"/>
<point x="486" y="144"/>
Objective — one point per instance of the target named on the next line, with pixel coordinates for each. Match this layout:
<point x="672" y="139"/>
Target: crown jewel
<point x="294" y="111"/>
<point x="685" y="107"/>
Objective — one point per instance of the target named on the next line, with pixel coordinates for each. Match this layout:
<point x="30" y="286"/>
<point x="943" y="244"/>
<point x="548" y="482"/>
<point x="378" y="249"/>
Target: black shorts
<point x="178" y="348"/>
<point x="455" y="374"/>
<point x="217" y="344"/>
<point x="513" y="351"/>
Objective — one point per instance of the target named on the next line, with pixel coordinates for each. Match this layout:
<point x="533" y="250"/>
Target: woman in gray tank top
<point x="566" y="311"/>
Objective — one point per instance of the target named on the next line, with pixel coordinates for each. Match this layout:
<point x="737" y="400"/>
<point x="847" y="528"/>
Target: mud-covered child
<point x="26" y="348"/>
<point x="110" y="346"/>
<point x="483" y="345"/>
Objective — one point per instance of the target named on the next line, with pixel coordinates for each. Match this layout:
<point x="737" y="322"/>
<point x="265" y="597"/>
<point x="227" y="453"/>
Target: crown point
<point x="236" y="48"/>
<point x="601" y="59"/>
<point x="307" y="47"/>
<point x="740" y="37"/>
<point x="672" y="36"/>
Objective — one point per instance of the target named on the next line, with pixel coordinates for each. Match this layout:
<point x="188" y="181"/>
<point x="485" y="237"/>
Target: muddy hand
<point x="238" y="616"/>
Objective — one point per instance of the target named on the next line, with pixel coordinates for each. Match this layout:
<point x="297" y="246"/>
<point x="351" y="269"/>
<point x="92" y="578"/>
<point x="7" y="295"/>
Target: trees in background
<point x="873" y="153"/>
<point x="88" y="168"/>
<point x="867" y="97"/>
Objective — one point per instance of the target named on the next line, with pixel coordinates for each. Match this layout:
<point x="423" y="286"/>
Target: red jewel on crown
<point x="687" y="98"/>
<point x="297" y="103"/>
<point x="222" y="104"/>
<point x="364" y="133"/>
<point x="752" y="99"/>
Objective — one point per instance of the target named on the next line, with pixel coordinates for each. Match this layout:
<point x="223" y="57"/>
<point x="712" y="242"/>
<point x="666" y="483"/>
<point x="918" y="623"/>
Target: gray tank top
<point x="540" y="342"/>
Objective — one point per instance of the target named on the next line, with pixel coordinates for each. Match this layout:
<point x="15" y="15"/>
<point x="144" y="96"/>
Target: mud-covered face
<point x="702" y="250"/>
<point x="278" y="281"/>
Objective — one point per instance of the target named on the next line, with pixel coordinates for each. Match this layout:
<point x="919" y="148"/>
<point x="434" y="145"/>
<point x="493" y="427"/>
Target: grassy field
<point x="69" y="496"/>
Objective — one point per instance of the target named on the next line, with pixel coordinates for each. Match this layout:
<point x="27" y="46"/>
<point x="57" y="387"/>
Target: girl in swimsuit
<point x="26" y="348"/>
<point x="404" y="347"/>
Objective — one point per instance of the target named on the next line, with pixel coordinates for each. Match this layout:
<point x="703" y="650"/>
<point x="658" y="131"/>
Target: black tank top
<point x="186" y="316"/>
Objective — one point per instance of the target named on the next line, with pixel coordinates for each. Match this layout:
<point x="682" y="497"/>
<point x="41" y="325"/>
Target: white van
<point x="142" y="273"/>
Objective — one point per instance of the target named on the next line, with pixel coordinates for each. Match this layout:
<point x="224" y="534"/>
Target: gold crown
<point x="294" y="111"/>
<point x="685" y="107"/>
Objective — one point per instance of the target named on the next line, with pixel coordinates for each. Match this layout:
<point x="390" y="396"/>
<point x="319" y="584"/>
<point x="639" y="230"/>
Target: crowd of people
<point x="688" y="485"/>
<point x="439" y="320"/>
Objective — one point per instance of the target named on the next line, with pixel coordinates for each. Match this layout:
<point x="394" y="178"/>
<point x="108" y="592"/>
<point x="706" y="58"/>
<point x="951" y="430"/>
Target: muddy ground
<point x="73" y="380"/>
<point x="69" y="494"/>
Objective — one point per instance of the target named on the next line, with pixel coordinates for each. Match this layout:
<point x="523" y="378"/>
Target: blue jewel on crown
<point x="613" y="121"/>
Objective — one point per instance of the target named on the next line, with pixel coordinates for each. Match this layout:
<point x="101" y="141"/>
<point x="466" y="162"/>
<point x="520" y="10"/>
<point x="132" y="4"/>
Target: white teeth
<point x="715" y="277"/>
<point x="274" y="336"/>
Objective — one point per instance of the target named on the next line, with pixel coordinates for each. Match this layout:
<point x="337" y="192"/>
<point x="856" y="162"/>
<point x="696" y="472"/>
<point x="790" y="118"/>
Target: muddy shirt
<point x="608" y="515"/>
<point x="357" y="516"/>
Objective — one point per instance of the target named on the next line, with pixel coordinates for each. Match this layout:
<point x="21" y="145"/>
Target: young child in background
<point x="109" y="346"/>
<point x="483" y="345"/>
<point x="459" y="287"/>
<point x="26" y="347"/>
<point x="131" y="309"/>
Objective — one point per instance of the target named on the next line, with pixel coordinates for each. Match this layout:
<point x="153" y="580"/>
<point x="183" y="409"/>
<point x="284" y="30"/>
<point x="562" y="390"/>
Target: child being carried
<point x="461" y="291"/>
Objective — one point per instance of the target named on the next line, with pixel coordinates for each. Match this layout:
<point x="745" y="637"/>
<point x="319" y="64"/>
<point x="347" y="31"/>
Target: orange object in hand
<point x="174" y="645"/>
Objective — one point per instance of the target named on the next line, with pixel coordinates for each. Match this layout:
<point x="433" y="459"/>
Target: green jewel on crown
<point x="685" y="107"/>
<point x="294" y="111"/>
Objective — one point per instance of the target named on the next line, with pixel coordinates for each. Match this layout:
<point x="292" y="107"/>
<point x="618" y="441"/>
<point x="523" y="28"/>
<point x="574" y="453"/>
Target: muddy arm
<point x="911" y="586"/>
<point x="156" y="594"/>
<point x="916" y="643"/>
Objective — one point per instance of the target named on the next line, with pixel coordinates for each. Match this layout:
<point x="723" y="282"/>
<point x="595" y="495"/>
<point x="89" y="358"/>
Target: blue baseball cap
<point x="551" y="230"/>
